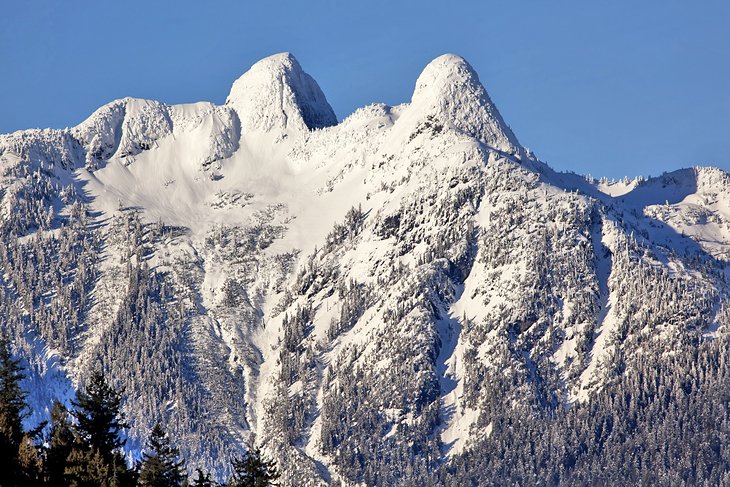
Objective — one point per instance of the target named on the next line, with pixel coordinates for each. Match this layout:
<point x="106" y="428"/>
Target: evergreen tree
<point x="253" y="470"/>
<point x="87" y="468"/>
<point x="12" y="412"/>
<point x="96" y="459"/>
<point x="60" y="445"/>
<point x="29" y="461"/>
<point x="202" y="480"/>
<point x="99" y="417"/>
<point x="160" y="464"/>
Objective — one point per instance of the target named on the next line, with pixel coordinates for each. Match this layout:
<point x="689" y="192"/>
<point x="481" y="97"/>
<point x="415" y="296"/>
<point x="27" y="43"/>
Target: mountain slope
<point x="368" y="298"/>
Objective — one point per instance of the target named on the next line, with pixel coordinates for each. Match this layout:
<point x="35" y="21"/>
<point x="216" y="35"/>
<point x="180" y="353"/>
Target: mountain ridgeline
<point x="408" y="296"/>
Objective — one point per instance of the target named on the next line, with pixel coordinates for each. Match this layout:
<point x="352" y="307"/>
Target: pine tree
<point x="89" y="468"/>
<point x="253" y="470"/>
<point x="60" y="445"/>
<point x="99" y="417"/>
<point x="12" y="412"/>
<point x="29" y="461"/>
<point x="86" y="468"/>
<point x="160" y="464"/>
<point x="202" y="480"/>
<point x="96" y="459"/>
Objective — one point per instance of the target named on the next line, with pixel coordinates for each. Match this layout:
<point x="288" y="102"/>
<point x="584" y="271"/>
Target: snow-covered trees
<point x="390" y="300"/>
<point x="663" y="423"/>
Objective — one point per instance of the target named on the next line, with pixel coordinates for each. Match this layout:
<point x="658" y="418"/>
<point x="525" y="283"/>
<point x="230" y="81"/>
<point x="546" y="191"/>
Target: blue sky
<point x="604" y="87"/>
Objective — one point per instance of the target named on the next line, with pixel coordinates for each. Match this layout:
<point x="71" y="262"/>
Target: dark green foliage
<point x="60" y="443"/>
<point x="161" y="466"/>
<point x="29" y="461"/>
<point x="97" y="455"/>
<point x="12" y="397"/>
<point x="89" y="468"/>
<point x="12" y="411"/>
<point x="202" y="479"/>
<point x="253" y="470"/>
<point x="98" y="416"/>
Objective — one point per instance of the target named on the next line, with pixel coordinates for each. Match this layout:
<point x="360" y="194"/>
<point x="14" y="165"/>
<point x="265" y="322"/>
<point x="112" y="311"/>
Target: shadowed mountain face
<point x="368" y="300"/>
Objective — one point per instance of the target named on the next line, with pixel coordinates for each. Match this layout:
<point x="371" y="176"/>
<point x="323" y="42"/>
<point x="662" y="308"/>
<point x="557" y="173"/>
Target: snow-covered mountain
<point x="363" y="298"/>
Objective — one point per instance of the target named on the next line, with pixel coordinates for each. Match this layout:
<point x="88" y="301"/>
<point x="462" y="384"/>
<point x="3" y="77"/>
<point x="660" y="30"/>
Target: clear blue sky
<point x="602" y="87"/>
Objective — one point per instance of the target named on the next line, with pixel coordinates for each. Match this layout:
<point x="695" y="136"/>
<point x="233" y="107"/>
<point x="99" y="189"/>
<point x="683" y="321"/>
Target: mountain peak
<point x="446" y="72"/>
<point x="449" y="89"/>
<point x="275" y="94"/>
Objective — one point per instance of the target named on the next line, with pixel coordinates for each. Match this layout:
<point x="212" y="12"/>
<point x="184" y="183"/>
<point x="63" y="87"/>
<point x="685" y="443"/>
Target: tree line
<point x="84" y="446"/>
